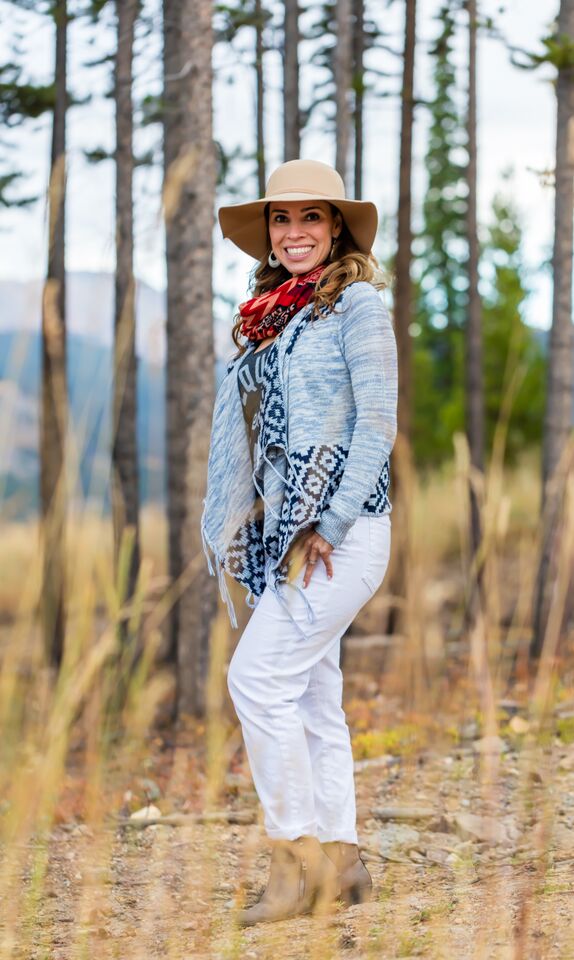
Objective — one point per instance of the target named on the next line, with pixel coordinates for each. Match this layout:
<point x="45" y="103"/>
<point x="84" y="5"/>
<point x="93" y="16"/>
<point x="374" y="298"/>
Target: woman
<point x="297" y="510"/>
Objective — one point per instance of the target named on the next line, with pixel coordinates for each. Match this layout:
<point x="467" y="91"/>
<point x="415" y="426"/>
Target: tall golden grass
<point x="67" y="732"/>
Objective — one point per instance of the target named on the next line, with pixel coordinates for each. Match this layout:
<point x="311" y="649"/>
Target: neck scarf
<point x="267" y="315"/>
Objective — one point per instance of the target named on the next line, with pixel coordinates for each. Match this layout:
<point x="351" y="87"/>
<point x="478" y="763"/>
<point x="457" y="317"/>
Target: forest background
<point x="123" y="126"/>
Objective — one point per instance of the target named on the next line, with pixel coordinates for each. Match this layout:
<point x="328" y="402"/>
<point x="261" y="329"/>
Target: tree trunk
<point x="342" y="69"/>
<point x="189" y="202"/>
<point x="173" y="142"/>
<point x="259" y="50"/>
<point x="358" y="80"/>
<point x="474" y="384"/>
<point x="292" y="125"/>
<point x="560" y="384"/>
<point x="54" y="409"/>
<point x="125" y="486"/>
<point x="402" y="462"/>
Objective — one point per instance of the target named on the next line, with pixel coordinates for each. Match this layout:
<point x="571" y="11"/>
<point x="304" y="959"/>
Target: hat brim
<point x="245" y="225"/>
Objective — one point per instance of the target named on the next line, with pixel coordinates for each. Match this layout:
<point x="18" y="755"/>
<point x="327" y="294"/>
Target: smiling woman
<point x="300" y="516"/>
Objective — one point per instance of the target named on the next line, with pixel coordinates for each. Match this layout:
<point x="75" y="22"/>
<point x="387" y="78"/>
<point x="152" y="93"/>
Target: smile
<point x="298" y="253"/>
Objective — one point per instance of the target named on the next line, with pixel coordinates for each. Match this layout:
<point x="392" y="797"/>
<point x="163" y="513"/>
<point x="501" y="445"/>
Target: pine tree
<point x="125" y="479"/>
<point x="441" y="247"/>
<point x="513" y="357"/>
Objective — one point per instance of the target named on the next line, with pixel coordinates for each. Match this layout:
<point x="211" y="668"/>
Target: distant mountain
<point x="90" y="306"/>
<point x="90" y="338"/>
<point x="90" y="384"/>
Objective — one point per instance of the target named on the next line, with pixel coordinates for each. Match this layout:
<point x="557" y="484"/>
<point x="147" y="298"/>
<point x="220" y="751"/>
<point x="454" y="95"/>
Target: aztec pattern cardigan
<point x="328" y="425"/>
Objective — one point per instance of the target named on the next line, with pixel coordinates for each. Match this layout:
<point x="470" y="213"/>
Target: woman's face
<point x="301" y="233"/>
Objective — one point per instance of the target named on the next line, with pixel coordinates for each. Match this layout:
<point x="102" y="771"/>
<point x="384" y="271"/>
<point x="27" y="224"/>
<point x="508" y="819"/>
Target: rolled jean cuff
<point x="305" y="830"/>
<point x="337" y="836"/>
<point x="333" y="528"/>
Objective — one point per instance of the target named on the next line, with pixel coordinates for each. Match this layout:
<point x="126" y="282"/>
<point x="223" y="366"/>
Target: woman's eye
<point x="279" y="217"/>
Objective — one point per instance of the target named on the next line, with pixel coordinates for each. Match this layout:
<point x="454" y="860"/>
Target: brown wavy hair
<point x="346" y="265"/>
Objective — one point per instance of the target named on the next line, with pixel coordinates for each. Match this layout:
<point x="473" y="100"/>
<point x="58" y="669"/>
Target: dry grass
<point x="75" y="885"/>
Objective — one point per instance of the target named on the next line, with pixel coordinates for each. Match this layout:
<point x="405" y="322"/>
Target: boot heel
<point x="357" y="893"/>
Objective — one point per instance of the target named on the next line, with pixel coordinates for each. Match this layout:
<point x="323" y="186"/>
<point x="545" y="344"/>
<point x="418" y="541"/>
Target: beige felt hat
<point x="245" y="224"/>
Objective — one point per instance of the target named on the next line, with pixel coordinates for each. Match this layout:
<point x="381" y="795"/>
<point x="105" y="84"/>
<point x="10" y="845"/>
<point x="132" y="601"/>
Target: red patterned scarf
<point x="267" y="315"/>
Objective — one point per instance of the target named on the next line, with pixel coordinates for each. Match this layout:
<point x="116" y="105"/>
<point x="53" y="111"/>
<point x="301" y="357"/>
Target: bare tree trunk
<point x="342" y="69"/>
<point x="402" y="463"/>
<point x="358" y="79"/>
<point x="173" y="148"/>
<point x="259" y="50"/>
<point x="474" y="381"/>
<point x="291" y="117"/>
<point x="125" y="485"/>
<point x="560" y="384"/>
<point x="189" y="200"/>
<point x="54" y="409"/>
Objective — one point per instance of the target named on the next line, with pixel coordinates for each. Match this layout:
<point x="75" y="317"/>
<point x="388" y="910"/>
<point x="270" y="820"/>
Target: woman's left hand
<point x="316" y="546"/>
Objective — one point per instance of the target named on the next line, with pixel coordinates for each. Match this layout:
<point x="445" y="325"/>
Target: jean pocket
<point x="379" y="551"/>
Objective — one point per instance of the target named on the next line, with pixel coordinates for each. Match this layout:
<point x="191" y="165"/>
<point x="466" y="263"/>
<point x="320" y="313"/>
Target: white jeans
<point x="287" y="691"/>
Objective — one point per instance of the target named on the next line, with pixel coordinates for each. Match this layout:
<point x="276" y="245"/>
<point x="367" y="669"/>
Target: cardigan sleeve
<point x="369" y="347"/>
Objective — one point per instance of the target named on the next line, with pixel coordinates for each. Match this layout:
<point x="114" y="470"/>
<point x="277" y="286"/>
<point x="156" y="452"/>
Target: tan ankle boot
<point x="302" y="879"/>
<point x="355" y="880"/>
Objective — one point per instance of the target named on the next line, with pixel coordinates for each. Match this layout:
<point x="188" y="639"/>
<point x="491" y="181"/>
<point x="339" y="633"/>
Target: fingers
<point x="318" y="549"/>
<point x="311" y="563"/>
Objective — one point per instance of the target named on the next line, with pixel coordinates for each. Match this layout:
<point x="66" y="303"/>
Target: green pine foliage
<point x="514" y="362"/>
<point x="438" y="347"/>
<point x="513" y="355"/>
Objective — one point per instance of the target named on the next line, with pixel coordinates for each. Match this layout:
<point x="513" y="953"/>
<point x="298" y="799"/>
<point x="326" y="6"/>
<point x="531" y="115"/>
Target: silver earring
<point x="272" y="260"/>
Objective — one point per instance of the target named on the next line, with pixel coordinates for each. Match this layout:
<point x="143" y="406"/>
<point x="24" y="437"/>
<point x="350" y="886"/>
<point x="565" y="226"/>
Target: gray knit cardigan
<point x="328" y="425"/>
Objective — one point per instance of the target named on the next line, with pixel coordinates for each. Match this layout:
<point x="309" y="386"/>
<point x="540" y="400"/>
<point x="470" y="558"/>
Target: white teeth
<point x="298" y="251"/>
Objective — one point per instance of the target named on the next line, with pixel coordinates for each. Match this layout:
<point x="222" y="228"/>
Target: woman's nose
<point x="295" y="230"/>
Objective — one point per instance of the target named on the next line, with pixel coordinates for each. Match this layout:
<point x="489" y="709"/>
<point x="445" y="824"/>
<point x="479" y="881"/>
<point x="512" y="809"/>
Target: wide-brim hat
<point x="245" y="224"/>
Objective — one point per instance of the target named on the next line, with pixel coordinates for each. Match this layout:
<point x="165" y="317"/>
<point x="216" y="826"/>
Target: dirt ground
<point x="470" y="842"/>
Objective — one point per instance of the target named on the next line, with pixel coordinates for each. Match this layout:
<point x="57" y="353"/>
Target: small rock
<point x="81" y="830"/>
<point x="468" y="731"/>
<point x="387" y="760"/>
<point x="488" y="829"/>
<point x="437" y="855"/>
<point x="563" y="839"/>
<point x="146" y="813"/>
<point x="519" y="725"/>
<point x="394" y="839"/>
<point x="403" y="813"/>
<point x="490" y="745"/>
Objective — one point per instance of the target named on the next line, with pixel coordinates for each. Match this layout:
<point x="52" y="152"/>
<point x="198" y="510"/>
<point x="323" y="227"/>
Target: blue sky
<point x="516" y="129"/>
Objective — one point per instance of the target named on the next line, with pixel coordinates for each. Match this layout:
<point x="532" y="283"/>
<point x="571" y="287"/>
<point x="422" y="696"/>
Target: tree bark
<point x="260" y="85"/>
<point x="556" y="463"/>
<point x="125" y="485"/>
<point x="342" y="70"/>
<point x="173" y="144"/>
<point x="358" y="80"/>
<point x="189" y="202"/>
<point x="54" y="408"/>
<point x="474" y="380"/>
<point x="291" y="116"/>
<point x="402" y="463"/>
